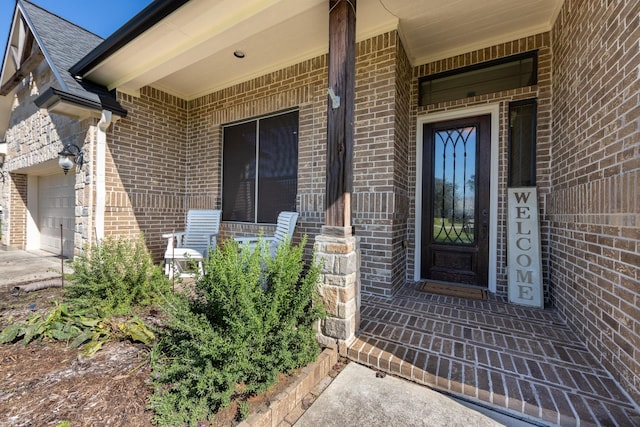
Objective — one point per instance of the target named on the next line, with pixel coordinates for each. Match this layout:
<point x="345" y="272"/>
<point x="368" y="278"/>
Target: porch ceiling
<point x="190" y="52"/>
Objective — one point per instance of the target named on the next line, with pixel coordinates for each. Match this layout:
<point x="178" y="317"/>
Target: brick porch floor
<point x="518" y="360"/>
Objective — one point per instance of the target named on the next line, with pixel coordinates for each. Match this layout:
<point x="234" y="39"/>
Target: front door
<point x="455" y="202"/>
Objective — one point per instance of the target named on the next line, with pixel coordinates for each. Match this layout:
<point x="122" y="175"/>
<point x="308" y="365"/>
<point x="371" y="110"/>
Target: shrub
<point x="111" y="279"/>
<point x="250" y="318"/>
<point x="115" y="276"/>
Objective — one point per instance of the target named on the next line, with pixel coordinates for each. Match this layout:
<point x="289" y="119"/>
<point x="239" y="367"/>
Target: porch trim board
<point x="494" y="111"/>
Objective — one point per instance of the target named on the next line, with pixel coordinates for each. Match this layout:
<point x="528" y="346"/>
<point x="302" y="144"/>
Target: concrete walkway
<point x="361" y="397"/>
<point x="18" y="267"/>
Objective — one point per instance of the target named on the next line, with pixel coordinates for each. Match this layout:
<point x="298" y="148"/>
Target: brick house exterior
<point x="165" y="157"/>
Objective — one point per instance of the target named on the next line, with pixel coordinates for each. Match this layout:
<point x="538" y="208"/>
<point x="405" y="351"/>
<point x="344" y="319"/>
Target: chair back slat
<point x="201" y="224"/>
<point x="285" y="226"/>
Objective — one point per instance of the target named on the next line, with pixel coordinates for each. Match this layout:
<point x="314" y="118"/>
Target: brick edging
<point x="291" y="398"/>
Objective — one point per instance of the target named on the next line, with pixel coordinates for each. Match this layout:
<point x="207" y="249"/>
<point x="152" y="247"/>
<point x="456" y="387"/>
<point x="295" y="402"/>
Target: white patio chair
<point x="192" y="244"/>
<point x="284" y="231"/>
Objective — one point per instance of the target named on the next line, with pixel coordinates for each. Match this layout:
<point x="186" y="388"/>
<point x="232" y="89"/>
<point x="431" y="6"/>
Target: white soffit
<point x="190" y="53"/>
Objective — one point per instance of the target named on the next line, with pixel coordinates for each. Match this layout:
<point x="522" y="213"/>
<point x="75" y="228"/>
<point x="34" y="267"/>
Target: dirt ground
<point x="49" y="384"/>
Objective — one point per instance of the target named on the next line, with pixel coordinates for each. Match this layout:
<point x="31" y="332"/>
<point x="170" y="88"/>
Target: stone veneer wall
<point x="594" y="208"/>
<point x="34" y="139"/>
<point x="541" y="91"/>
<point x="304" y="86"/>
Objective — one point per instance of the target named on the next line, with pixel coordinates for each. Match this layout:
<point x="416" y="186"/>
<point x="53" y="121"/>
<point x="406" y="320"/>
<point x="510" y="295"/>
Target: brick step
<point x="421" y="331"/>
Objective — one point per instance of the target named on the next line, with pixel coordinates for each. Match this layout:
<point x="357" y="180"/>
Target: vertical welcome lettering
<point x="523" y="251"/>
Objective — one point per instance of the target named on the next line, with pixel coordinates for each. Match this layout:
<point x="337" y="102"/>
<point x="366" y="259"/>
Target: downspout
<point x="101" y="182"/>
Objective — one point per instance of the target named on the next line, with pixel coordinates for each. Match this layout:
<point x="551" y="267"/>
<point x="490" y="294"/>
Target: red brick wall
<point x="541" y="91"/>
<point x="595" y="170"/>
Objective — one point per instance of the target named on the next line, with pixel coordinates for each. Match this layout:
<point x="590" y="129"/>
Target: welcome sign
<point x="523" y="250"/>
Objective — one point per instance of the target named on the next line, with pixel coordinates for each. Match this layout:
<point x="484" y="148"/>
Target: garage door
<point x="56" y="205"/>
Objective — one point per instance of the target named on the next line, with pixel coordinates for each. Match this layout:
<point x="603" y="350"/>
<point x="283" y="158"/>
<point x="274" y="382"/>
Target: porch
<point x="525" y="362"/>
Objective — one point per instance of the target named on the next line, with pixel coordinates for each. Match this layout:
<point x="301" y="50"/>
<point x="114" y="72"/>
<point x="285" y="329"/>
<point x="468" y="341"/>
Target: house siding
<point x="594" y="206"/>
<point x="542" y="92"/>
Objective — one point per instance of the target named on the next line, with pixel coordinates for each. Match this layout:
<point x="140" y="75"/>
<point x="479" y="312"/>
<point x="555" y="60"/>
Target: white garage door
<point x="56" y="205"/>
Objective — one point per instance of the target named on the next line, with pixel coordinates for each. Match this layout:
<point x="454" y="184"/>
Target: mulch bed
<point x="47" y="383"/>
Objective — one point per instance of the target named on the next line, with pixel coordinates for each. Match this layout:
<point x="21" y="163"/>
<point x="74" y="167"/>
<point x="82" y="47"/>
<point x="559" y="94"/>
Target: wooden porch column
<point x="336" y="247"/>
<point x="342" y="46"/>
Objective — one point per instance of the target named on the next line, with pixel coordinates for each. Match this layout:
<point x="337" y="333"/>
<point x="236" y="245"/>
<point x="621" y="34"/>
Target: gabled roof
<point x="36" y="32"/>
<point x="63" y="43"/>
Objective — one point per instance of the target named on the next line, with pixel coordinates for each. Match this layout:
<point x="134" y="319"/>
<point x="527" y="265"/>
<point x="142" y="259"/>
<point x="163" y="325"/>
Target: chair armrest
<point x="176" y="234"/>
<point x="174" y="240"/>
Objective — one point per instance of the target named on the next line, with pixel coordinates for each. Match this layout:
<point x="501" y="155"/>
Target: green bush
<point x="250" y="318"/>
<point x="115" y="276"/>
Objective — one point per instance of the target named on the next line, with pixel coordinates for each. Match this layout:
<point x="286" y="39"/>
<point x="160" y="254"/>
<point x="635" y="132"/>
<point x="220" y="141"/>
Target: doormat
<point x="453" y="290"/>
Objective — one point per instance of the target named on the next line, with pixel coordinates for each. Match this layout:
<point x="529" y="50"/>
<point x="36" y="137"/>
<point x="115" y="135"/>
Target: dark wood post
<point x="342" y="37"/>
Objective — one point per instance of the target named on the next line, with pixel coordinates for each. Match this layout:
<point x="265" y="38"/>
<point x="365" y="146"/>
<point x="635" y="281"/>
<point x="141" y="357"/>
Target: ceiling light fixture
<point x="238" y="54"/>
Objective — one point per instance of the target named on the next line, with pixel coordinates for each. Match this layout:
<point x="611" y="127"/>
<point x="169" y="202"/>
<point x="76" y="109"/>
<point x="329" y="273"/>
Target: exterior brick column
<point x="338" y="251"/>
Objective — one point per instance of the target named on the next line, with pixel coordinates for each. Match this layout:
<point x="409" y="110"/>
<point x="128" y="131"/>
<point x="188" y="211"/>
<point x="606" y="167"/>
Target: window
<point x="494" y="76"/>
<point x="260" y="168"/>
<point x="522" y="143"/>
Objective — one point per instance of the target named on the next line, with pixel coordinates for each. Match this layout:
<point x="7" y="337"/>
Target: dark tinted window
<point x="522" y="143"/>
<point x="260" y="167"/>
<point x="489" y="77"/>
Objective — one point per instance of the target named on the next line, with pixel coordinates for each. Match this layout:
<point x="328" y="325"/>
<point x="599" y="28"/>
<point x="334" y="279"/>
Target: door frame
<point x="494" y="111"/>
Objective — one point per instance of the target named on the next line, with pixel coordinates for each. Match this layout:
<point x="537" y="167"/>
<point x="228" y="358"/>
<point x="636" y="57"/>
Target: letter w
<point x="522" y="196"/>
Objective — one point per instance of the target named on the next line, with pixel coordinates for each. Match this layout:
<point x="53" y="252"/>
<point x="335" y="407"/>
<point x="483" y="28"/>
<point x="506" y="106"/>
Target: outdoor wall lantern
<point x="67" y="156"/>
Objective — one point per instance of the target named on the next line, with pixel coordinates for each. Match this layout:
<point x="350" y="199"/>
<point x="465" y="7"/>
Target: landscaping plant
<point x="116" y="275"/>
<point x="109" y="282"/>
<point x="248" y="319"/>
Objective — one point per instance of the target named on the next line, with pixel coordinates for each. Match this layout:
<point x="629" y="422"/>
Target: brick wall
<point x="16" y="214"/>
<point x="301" y="86"/>
<point x="595" y="167"/>
<point x="402" y="141"/>
<point x="541" y="91"/>
<point x="146" y="168"/>
<point x="304" y="86"/>
<point x="376" y="178"/>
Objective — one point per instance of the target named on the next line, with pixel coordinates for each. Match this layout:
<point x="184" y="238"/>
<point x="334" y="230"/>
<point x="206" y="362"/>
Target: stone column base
<point x="338" y="253"/>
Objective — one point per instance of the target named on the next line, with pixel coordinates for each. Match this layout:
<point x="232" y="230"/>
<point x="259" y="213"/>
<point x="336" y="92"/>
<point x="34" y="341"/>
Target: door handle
<point x="485" y="225"/>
